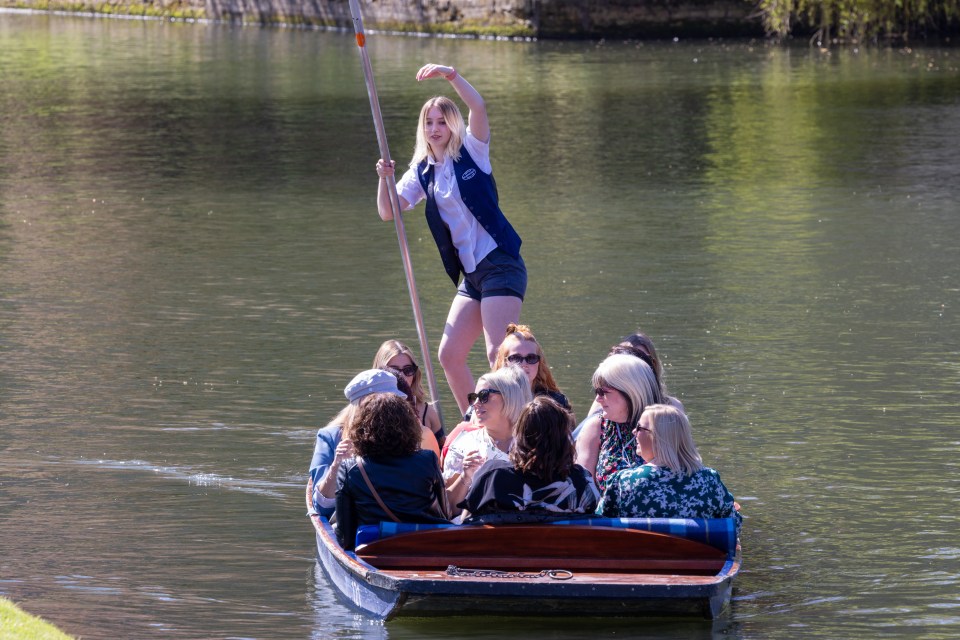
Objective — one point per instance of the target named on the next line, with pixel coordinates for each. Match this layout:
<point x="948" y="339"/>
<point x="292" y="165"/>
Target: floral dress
<point x="618" y="450"/>
<point x="650" y="491"/>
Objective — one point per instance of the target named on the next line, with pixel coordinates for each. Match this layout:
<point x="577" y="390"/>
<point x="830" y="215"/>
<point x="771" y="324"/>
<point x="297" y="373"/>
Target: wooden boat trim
<point x="592" y="590"/>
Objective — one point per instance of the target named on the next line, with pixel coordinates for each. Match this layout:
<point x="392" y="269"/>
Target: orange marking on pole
<point x="360" y="40"/>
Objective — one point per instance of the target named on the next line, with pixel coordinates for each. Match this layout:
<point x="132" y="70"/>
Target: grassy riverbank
<point x="16" y="624"/>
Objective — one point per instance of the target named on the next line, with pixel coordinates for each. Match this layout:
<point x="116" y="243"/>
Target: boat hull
<point x="429" y="590"/>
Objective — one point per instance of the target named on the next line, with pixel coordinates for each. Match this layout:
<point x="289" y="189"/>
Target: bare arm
<point x="479" y="125"/>
<point x="383" y="191"/>
<point x="588" y="445"/>
<point x="328" y="485"/>
<point x="458" y="486"/>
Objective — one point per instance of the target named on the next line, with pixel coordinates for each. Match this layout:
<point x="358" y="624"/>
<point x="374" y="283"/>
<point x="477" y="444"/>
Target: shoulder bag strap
<point x="376" y="496"/>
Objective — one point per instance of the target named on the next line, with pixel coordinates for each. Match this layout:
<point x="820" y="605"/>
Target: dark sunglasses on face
<point x="601" y="392"/>
<point x="530" y="358"/>
<point x="408" y="370"/>
<point x="481" y="397"/>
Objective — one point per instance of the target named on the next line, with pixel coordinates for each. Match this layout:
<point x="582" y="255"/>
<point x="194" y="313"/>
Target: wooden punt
<point x="550" y="569"/>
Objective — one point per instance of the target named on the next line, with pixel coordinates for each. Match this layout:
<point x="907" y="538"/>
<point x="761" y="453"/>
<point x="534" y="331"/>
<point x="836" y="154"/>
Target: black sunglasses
<point x="601" y="392"/>
<point x="481" y="397"/>
<point x="530" y="358"/>
<point x="408" y="370"/>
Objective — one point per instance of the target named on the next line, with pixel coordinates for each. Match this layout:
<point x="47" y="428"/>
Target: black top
<point x="411" y="486"/>
<point x="556" y="395"/>
<point x="498" y="487"/>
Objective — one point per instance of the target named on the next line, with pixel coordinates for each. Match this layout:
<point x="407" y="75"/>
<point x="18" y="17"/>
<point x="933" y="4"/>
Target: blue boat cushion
<point x="716" y="532"/>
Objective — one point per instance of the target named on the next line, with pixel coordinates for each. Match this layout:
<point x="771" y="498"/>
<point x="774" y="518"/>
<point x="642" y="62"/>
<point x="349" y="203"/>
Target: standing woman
<point x="451" y="170"/>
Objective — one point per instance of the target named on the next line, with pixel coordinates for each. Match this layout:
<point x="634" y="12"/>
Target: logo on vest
<point x="469" y="173"/>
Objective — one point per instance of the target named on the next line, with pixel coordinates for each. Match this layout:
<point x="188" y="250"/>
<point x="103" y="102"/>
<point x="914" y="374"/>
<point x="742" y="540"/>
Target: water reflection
<point x="191" y="268"/>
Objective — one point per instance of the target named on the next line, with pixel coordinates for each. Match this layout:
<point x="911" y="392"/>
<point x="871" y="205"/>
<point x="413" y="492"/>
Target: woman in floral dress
<point x="673" y="483"/>
<point x="624" y="387"/>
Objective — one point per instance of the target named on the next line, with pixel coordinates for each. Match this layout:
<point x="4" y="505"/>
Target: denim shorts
<point x="499" y="274"/>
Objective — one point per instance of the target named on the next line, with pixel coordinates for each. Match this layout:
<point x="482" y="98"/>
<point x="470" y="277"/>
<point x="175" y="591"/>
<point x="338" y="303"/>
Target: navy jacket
<point x="411" y="486"/>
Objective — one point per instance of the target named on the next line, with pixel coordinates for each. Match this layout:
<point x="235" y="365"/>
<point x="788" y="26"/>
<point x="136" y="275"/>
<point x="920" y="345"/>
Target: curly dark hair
<point x="385" y="426"/>
<point x="543" y="446"/>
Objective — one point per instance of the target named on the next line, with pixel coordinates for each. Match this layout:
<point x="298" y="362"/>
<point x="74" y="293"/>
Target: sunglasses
<point x="481" y="397"/>
<point x="408" y="370"/>
<point x="602" y="393"/>
<point x="530" y="358"/>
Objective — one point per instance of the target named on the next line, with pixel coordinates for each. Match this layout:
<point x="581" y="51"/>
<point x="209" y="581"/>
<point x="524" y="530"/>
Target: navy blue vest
<point x="479" y="193"/>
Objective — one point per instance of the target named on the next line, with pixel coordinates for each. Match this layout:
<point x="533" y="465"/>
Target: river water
<point x="191" y="267"/>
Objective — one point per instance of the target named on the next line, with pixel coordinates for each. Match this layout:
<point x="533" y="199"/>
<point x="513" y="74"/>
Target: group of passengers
<point x="518" y="454"/>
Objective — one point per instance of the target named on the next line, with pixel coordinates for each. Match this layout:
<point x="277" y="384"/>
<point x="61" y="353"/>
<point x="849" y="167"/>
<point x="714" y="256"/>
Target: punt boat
<point x="589" y="566"/>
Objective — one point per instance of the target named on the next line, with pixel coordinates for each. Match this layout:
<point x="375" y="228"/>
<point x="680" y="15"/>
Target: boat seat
<point x="534" y="547"/>
<point x="720" y="533"/>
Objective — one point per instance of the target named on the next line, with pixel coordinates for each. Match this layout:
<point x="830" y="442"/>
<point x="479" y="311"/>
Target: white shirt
<point x="472" y="241"/>
<point x="476" y="440"/>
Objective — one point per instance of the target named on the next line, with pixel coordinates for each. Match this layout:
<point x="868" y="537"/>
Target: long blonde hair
<point x="673" y="445"/>
<point x="393" y="348"/>
<point x="453" y="118"/>
<point x="344" y="420"/>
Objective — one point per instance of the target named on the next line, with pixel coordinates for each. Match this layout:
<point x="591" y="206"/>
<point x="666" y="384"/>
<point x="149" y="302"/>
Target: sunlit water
<point x="191" y="267"/>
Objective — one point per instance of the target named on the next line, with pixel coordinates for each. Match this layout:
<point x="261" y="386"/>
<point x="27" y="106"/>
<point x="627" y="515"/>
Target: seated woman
<point x="624" y="387"/>
<point x="391" y="478"/>
<point x="497" y="402"/>
<point x="640" y="346"/>
<point x="520" y="348"/>
<point x="396" y="357"/>
<point x="540" y="475"/>
<point x="673" y="483"/>
<point x="330" y="448"/>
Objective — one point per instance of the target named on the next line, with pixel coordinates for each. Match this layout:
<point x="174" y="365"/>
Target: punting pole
<point x="395" y="204"/>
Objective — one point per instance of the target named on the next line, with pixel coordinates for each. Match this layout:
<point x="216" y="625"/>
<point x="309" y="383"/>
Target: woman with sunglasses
<point x="521" y="348"/>
<point x="673" y="483"/>
<point x="497" y="401"/>
<point x="396" y="357"/>
<point x="638" y="345"/>
<point x="540" y="478"/>
<point x="624" y="387"/>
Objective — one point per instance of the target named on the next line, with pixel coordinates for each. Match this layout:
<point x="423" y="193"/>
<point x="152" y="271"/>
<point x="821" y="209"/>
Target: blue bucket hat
<point x="371" y="381"/>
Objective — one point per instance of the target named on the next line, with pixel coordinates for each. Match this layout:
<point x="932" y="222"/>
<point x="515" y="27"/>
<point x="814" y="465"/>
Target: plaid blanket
<point x="716" y="532"/>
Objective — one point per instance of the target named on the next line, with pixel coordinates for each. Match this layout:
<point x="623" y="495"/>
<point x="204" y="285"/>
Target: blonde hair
<point x="454" y="119"/>
<point x="344" y="420"/>
<point x="393" y="348"/>
<point x="514" y="388"/>
<point x="673" y="445"/>
<point x="633" y="378"/>
<point x="543" y="381"/>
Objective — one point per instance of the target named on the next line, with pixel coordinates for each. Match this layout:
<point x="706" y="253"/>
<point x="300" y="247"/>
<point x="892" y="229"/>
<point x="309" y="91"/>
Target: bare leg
<point x="497" y="312"/>
<point x="464" y="326"/>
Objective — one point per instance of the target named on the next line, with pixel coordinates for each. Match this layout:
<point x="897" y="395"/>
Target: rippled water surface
<point x="191" y="267"/>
